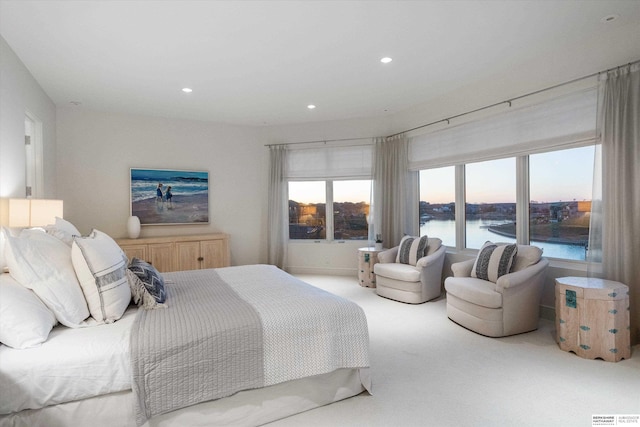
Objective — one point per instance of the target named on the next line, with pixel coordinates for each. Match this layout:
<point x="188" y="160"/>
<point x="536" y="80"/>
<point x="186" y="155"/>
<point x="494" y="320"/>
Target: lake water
<point x="478" y="233"/>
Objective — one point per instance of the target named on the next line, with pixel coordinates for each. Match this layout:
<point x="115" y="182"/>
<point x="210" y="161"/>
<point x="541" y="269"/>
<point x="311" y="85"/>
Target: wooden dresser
<point x="177" y="253"/>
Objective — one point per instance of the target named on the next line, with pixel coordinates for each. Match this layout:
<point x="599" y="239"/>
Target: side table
<point x="592" y="318"/>
<point x="367" y="258"/>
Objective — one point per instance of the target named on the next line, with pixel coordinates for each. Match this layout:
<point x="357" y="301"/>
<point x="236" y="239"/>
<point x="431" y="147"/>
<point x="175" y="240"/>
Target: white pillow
<point x="24" y="320"/>
<point x="3" y="262"/>
<point x="42" y="263"/>
<point x="101" y="268"/>
<point x="6" y="231"/>
<point x="63" y="230"/>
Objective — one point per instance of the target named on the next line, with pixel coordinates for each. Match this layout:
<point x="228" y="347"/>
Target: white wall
<point x="97" y="149"/>
<point x="21" y="93"/>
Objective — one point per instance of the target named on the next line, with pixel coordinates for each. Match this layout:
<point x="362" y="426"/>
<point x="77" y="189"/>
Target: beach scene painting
<point x="165" y="196"/>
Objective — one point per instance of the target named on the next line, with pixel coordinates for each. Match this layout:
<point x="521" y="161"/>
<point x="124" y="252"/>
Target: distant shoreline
<point x="183" y="209"/>
<point x="577" y="240"/>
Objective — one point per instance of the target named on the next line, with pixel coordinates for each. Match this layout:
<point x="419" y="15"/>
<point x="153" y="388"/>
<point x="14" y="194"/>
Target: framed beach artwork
<point x="167" y="196"/>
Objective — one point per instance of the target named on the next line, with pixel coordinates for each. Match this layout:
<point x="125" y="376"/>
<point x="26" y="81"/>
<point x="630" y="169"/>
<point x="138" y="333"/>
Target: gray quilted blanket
<point x="239" y="328"/>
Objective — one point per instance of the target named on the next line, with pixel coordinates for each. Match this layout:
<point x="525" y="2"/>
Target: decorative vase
<point x="133" y="227"/>
<point x="378" y="246"/>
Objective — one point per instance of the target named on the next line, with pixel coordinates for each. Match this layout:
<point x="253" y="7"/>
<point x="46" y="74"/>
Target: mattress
<point x="85" y="374"/>
<point x="72" y="364"/>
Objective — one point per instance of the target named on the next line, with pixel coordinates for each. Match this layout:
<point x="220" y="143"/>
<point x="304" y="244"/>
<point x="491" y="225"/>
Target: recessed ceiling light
<point x="386" y="60"/>
<point x="311" y="106"/>
<point x="187" y="90"/>
<point x="609" y="18"/>
<point x="76" y="103"/>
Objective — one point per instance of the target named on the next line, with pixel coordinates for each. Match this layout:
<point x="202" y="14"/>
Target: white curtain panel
<point x="395" y="191"/>
<point x="277" y="232"/>
<point x="619" y="118"/>
<point x="564" y="121"/>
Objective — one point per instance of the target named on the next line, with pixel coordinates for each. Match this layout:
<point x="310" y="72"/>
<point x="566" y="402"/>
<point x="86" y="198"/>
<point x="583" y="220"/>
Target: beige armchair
<point x="411" y="283"/>
<point x="507" y="307"/>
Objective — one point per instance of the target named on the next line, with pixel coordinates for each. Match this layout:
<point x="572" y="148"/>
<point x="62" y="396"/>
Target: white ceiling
<point x="262" y="62"/>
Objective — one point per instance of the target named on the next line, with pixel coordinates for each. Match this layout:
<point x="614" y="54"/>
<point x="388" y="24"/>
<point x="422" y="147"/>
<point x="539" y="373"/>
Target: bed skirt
<point x="245" y="408"/>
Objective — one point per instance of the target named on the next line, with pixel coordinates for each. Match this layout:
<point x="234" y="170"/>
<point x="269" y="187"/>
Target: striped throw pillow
<point x="101" y="267"/>
<point x="411" y="249"/>
<point x="494" y="261"/>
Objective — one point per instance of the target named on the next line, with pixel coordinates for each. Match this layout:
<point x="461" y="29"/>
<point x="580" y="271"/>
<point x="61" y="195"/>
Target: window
<point x="437" y="204"/>
<point x="560" y="185"/>
<point x="347" y="199"/>
<point x="307" y="210"/>
<point x="539" y="188"/>
<point x="490" y="205"/>
<point x="350" y="209"/>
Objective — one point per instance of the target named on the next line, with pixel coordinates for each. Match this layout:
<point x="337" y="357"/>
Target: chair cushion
<point x="527" y="256"/>
<point x="434" y="245"/>
<point x="404" y="272"/>
<point x="476" y="291"/>
<point x="494" y="261"/>
<point x="411" y="249"/>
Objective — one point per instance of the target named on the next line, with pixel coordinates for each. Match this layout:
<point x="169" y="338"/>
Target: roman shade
<point x="564" y="121"/>
<point x="330" y="161"/>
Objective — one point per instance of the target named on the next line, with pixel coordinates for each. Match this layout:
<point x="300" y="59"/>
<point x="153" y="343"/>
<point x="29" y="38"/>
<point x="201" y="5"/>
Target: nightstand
<point x="367" y="258"/>
<point x="592" y="318"/>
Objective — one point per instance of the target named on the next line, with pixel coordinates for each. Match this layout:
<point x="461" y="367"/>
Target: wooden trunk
<point x="592" y="318"/>
<point x="367" y="258"/>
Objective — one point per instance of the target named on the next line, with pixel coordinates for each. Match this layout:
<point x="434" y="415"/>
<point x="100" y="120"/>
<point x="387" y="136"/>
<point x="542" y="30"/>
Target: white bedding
<point x="86" y="366"/>
<point x="72" y="364"/>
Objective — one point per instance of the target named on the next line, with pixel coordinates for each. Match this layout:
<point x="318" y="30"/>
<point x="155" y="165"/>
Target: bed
<point x="242" y="345"/>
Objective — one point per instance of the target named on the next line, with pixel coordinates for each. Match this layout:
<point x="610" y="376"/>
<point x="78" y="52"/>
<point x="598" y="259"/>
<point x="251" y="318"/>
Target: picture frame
<point x="169" y="196"/>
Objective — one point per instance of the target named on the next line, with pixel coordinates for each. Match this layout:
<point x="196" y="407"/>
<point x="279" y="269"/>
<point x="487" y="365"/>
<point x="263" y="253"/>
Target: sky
<point x="554" y="176"/>
<point x="343" y="191"/>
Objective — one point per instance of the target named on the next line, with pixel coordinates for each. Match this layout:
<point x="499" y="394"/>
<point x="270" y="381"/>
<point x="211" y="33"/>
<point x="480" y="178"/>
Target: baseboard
<point x="548" y="313"/>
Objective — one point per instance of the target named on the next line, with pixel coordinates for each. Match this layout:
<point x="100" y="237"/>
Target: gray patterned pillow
<point x="150" y="277"/>
<point x="494" y="261"/>
<point x="411" y="249"/>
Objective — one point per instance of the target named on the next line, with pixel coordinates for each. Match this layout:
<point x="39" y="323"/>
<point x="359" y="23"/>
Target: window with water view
<point x="560" y="186"/>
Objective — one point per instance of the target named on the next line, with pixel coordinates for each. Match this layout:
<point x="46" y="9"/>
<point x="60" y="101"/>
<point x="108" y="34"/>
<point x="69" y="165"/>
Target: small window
<point x="307" y="210"/>
<point x="437" y="204"/>
<point x="560" y="186"/>
<point x="350" y="209"/>
<point x="490" y="211"/>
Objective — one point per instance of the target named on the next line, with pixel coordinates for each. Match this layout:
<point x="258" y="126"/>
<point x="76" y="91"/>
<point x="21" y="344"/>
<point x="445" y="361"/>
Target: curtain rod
<point x="448" y="119"/>
<point x="320" y="140"/>
<point x="509" y="101"/>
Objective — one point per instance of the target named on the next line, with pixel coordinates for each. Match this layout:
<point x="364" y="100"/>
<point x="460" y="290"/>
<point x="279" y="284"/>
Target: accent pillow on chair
<point x="494" y="261"/>
<point x="411" y="249"/>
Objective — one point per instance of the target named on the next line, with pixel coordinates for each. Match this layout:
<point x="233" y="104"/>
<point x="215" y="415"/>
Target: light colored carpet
<point x="428" y="371"/>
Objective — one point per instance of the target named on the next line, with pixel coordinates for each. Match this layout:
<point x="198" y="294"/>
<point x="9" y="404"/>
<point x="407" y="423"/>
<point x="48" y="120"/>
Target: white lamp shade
<point x="29" y="212"/>
<point x="44" y="212"/>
